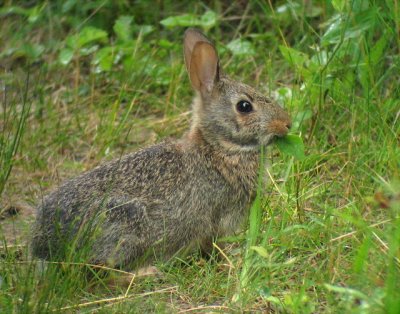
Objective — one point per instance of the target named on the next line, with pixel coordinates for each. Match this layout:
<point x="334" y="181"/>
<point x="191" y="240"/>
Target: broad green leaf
<point x="300" y="117"/>
<point x="346" y="291"/>
<point x="273" y="300"/>
<point x="207" y="20"/>
<point x="313" y="11"/>
<point x="90" y="34"/>
<point x="144" y="29"/>
<point x="72" y="41"/>
<point x="319" y="59"/>
<point x="341" y="29"/>
<point x="104" y="59"/>
<point x="14" y="10"/>
<point x="65" y="56"/>
<point x="288" y="7"/>
<point x="123" y="28"/>
<point x="339" y="5"/>
<point x="32" y="51"/>
<point x="165" y="43"/>
<point x="338" y="32"/>
<point x="35" y="12"/>
<point x="241" y="47"/>
<point x="334" y="31"/>
<point x="180" y="20"/>
<point x="294" y="8"/>
<point x="260" y="250"/>
<point x="358" y="6"/>
<point x="68" y="5"/>
<point x="291" y="145"/>
<point x="27" y="50"/>
<point x="284" y="96"/>
<point x="293" y="56"/>
<point x="265" y="292"/>
<point x="87" y="35"/>
<point x="87" y="50"/>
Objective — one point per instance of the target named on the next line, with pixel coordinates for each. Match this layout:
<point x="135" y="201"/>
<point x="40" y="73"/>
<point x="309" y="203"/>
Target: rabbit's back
<point x="163" y="197"/>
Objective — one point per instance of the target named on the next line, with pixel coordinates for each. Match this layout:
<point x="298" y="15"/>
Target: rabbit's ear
<point x="201" y="61"/>
<point x="191" y="38"/>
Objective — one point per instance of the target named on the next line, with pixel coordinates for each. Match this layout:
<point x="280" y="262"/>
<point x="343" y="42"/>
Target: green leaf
<point x="291" y="145"/>
<point x="207" y="20"/>
<point x="14" y="10"/>
<point x="123" y="28"/>
<point x="300" y="117"/>
<point x="318" y="60"/>
<point x="31" y="51"/>
<point x="27" y="50"/>
<point x="241" y="47"/>
<point x="144" y="29"/>
<point x="284" y="96"/>
<point x="68" y="5"/>
<point x="260" y="250"/>
<point x="339" y="5"/>
<point x="288" y="7"/>
<point x="90" y="34"/>
<point x="87" y="35"/>
<point x="35" y="12"/>
<point x="293" y="56"/>
<point x="104" y="59"/>
<point x="358" y="6"/>
<point x="340" y="29"/>
<point x="265" y="292"/>
<point x="273" y="300"/>
<point x="164" y="43"/>
<point x="180" y="20"/>
<point x="313" y="11"/>
<point x="346" y="291"/>
<point x="88" y="50"/>
<point x="65" y="56"/>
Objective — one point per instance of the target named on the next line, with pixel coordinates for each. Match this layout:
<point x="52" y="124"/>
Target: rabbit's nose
<point x="279" y="127"/>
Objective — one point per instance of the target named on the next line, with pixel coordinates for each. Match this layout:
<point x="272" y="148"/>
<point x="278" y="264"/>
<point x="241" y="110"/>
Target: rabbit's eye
<point x="244" y="106"/>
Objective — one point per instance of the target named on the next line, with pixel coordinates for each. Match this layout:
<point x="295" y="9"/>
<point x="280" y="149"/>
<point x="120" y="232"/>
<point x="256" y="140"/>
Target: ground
<point x="85" y="83"/>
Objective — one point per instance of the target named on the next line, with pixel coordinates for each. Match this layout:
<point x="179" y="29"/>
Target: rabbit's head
<point x="228" y="113"/>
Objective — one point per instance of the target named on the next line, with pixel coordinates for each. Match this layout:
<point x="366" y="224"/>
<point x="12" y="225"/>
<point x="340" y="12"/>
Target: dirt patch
<point x="15" y="221"/>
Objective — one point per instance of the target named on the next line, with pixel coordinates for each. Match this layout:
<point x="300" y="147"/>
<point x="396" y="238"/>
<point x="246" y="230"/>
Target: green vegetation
<point x="84" y="82"/>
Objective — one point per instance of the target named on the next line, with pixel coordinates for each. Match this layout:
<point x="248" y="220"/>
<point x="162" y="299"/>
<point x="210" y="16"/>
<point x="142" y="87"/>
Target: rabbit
<point x="176" y="194"/>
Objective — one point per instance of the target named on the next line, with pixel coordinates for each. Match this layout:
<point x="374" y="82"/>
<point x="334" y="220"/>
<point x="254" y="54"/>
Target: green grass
<point x="324" y="233"/>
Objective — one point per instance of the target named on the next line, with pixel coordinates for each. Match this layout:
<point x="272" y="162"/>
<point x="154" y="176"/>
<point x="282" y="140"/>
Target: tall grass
<point x="324" y="233"/>
<point x="15" y="112"/>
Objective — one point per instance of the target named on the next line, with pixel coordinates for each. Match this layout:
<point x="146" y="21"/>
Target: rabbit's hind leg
<point x="124" y="237"/>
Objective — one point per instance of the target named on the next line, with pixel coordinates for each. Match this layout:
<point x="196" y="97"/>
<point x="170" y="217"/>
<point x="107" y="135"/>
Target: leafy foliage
<point x="291" y="145"/>
<point x="107" y="77"/>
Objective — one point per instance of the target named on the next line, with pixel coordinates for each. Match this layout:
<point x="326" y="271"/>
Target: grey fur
<point x="174" y="194"/>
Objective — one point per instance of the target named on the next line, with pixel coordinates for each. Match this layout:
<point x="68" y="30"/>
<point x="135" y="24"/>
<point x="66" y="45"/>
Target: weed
<point x="106" y="77"/>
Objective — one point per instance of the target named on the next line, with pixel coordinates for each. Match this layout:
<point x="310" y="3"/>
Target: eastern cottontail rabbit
<point x="177" y="193"/>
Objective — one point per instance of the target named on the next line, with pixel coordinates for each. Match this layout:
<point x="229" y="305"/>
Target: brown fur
<point x="172" y="195"/>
